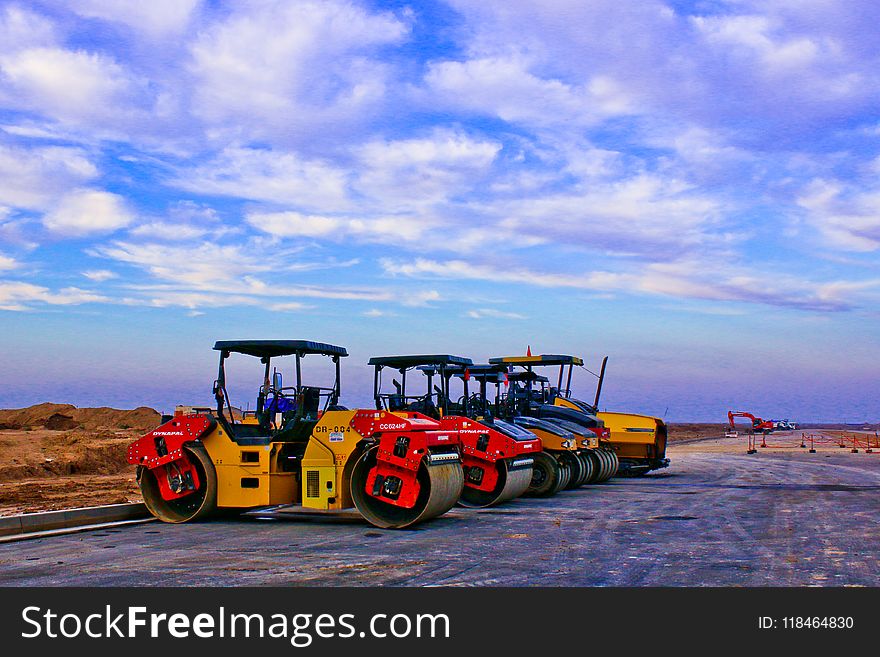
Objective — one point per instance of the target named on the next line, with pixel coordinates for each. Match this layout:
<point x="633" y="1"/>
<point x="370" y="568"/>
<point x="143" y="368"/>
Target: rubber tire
<point x="546" y="475"/>
<point x="597" y="465"/>
<point x="565" y="478"/>
<point x="590" y="466"/>
<point x="574" y="464"/>
<point x="606" y="465"/>
<point x="199" y="505"/>
<point x="615" y="463"/>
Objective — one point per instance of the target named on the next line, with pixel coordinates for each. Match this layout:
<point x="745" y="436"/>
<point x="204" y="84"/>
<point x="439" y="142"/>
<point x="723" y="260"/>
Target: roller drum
<point x="512" y="483"/>
<point x="198" y="505"/>
<point x="440" y="486"/>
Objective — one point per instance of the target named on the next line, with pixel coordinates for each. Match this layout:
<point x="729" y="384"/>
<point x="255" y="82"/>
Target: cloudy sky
<point x="692" y="188"/>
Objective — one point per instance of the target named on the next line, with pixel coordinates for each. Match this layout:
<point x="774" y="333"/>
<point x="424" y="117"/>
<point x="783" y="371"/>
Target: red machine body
<point x="162" y="450"/>
<point x="405" y="439"/>
<point x="758" y="424"/>
<point x="482" y="444"/>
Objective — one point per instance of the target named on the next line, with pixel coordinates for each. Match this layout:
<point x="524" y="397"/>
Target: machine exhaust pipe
<point x="599" y="385"/>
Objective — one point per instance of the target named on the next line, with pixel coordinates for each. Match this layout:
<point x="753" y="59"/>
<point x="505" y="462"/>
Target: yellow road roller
<point x="298" y="446"/>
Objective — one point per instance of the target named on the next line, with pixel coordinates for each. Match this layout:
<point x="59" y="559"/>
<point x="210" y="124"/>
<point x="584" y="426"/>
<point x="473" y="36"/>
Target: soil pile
<point x="66" y="416"/>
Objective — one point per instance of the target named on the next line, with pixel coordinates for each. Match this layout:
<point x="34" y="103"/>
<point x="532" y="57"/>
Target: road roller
<point x="531" y="395"/>
<point x="496" y="457"/>
<point x="298" y="446"/>
<point x="559" y="465"/>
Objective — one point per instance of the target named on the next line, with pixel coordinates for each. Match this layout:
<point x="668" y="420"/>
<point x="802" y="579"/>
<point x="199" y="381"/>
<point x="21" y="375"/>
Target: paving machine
<point x="531" y="395"/>
<point x="298" y="446"/>
<point x="497" y="458"/>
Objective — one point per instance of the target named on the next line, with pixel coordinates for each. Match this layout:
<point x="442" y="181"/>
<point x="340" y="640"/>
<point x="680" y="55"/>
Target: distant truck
<point x="785" y="425"/>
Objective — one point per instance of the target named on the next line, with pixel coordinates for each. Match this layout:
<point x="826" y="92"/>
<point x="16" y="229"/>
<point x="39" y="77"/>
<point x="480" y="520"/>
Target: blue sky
<point x="689" y="187"/>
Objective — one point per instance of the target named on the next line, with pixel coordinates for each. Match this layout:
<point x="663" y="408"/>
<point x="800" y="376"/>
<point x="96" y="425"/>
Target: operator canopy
<point x="276" y="348"/>
<point x="542" y="359"/>
<point x="414" y="361"/>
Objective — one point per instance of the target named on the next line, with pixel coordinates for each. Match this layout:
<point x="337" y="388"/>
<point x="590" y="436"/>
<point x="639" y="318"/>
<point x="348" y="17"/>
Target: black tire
<point x="546" y="475"/>
<point x="605" y="471"/>
<point x="590" y="466"/>
<point x="198" y="505"/>
<point x="564" y="478"/>
<point x="596" y="463"/>
<point x="615" y="463"/>
<point x="576" y="467"/>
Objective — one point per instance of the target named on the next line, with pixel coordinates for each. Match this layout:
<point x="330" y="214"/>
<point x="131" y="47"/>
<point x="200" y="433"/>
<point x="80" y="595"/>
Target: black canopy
<point x="399" y="362"/>
<point x="274" y="348"/>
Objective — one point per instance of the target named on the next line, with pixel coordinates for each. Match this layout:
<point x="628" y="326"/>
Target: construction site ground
<point x="716" y="517"/>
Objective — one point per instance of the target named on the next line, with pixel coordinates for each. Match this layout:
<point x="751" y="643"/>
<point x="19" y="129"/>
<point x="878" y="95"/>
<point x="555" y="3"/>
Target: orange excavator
<point x="758" y="425"/>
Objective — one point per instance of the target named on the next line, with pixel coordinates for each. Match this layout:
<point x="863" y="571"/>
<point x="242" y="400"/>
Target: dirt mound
<point x="59" y="422"/>
<point x="66" y="416"/>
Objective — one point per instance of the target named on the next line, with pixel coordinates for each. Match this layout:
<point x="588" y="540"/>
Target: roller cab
<point x="298" y="446"/>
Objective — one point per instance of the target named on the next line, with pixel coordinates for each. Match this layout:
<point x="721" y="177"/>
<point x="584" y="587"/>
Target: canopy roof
<point x="542" y="359"/>
<point x="274" y="348"/>
<point x="415" y="361"/>
<point x="484" y="370"/>
<point x="527" y="376"/>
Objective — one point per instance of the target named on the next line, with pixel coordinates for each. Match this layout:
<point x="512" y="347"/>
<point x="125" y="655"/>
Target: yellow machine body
<point x="636" y="436"/>
<point x="552" y="442"/>
<point x="254" y="476"/>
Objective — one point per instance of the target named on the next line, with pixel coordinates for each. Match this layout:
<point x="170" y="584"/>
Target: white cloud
<point x="688" y="279"/>
<point x="18" y="296"/>
<point x="88" y="211"/>
<point x="267" y="175"/>
<point x="164" y="230"/>
<point x="294" y="224"/>
<point x="394" y="230"/>
<point x="413" y="173"/>
<point x="503" y="87"/>
<point x="20" y="28"/>
<point x="74" y="87"/>
<point x="287" y="68"/>
<point x="848" y="217"/>
<point x="204" y="265"/>
<point x="34" y="178"/>
<point x="156" y="17"/>
<point x="7" y="263"/>
<point x="752" y="35"/>
<point x="99" y="275"/>
<point x="493" y="313"/>
<point x="649" y="214"/>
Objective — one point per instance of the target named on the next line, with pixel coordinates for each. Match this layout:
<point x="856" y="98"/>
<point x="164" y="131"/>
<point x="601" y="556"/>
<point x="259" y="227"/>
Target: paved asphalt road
<point x="782" y="518"/>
